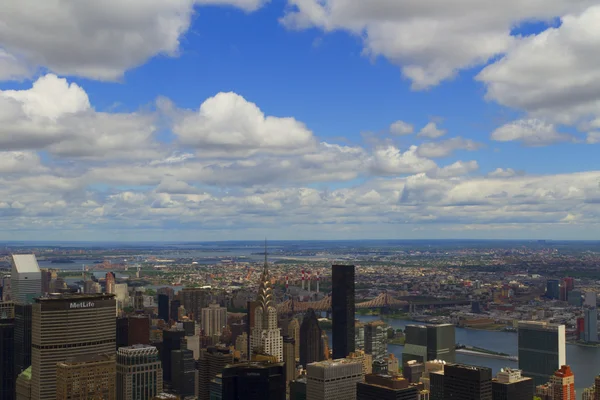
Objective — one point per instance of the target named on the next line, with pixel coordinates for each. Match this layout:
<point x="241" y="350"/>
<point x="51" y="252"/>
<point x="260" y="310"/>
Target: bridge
<point x="384" y="301"/>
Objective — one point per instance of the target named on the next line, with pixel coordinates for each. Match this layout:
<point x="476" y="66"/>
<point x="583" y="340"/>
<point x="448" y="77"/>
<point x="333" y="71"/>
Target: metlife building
<point x="66" y="326"/>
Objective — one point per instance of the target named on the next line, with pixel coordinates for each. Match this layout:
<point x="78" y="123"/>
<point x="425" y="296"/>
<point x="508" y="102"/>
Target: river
<point x="584" y="361"/>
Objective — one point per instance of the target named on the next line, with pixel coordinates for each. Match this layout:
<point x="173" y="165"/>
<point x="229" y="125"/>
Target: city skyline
<point x="238" y="119"/>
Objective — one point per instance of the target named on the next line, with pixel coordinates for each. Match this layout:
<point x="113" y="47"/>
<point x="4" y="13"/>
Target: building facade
<point x="563" y="384"/>
<point x="376" y="339"/>
<point x="214" y="319"/>
<point x="464" y="382"/>
<point x="333" y="379"/>
<point x="385" y="387"/>
<point x="343" y="310"/>
<point x="211" y="362"/>
<point x="289" y="358"/>
<point x="139" y="373"/>
<point x="163" y="307"/>
<point x="542" y="350"/>
<point x="172" y="340"/>
<point x="254" y="381"/>
<point x="590" y="333"/>
<point x="183" y="379"/>
<point x="7" y="350"/>
<point x="86" y="377"/>
<point x="25" y="278"/>
<point x="432" y="342"/>
<point x="68" y="326"/>
<point x="509" y="384"/>
<point x="311" y="345"/>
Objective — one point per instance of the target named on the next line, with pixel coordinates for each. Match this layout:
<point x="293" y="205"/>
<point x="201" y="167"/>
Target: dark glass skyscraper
<point x="22" y="337"/>
<point x="163" y="307"/>
<point x="311" y="345"/>
<point x="183" y="373"/>
<point x="464" y="382"/>
<point x="254" y="381"/>
<point x="343" y="310"/>
<point x="172" y="340"/>
<point x="542" y="350"/>
<point x="432" y="342"/>
<point x="7" y="342"/>
<point x="553" y="289"/>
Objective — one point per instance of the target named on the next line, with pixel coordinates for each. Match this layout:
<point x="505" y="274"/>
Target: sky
<point x="168" y="120"/>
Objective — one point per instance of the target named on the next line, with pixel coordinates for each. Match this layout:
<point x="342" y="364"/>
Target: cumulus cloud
<point x="504" y="173"/>
<point x="593" y="137"/>
<point x="401" y="128"/>
<point x="554" y="74"/>
<point x="531" y="132"/>
<point x="389" y="160"/>
<point x="431" y="131"/>
<point x="98" y="40"/>
<point x="445" y="148"/>
<point x="228" y="124"/>
<point x="456" y="169"/>
<point x="431" y="40"/>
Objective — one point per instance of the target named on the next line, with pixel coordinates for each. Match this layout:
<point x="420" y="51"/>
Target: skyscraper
<point x="590" y="333"/>
<point x="7" y="350"/>
<point x="211" y="362"/>
<point x="138" y="331"/>
<point x="464" y="382"/>
<point x="22" y="357"/>
<point x="432" y="342"/>
<point x="110" y="282"/>
<point x="311" y="346"/>
<point x="86" y="377"/>
<point x="172" y="340"/>
<point x="67" y="326"/>
<point x="553" y="289"/>
<point x="194" y="300"/>
<point x="139" y="373"/>
<point x="294" y="333"/>
<point x="265" y="334"/>
<point x="333" y="379"/>
<point x="563" y="384"/>
<point x="542" y="350"/>
<point x="26" y="278"/>
<point x="289" y="358"/>
<point x="163" y="307"/>
<point x="214" y="319"/>
<point x="343" y="310"/>
<point x="509" y="384"/>
<point x="254" y="381"/>
<point x="183" y="373"/>
<point x="376" y="339"/>
<point x="385" y="387"/>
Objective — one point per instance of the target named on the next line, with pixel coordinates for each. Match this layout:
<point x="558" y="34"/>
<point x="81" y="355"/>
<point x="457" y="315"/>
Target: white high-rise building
<point x="333" y="379"/>
<point x="26" y="278"/>
<point x="214" y="319"/>
<point x="265" y="334"/>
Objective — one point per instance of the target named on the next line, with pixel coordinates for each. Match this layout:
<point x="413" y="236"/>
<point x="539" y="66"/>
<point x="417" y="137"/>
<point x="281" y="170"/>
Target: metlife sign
<point x="82" y="304"/>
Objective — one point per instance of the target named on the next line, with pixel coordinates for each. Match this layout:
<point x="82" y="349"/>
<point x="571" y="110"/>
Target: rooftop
<point x="88" y="358"/>
<point x="24" y="263"/>
<point x="75" y="296"/>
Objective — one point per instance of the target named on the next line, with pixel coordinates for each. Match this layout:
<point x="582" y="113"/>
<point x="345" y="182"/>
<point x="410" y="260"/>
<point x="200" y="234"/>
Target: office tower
<point x="183" y="373"/>
<point x="23" y="385"/>
<point x="25" y="278"/>
<point x="311" y="346"/>
<point x="172" y="340"/>
<point x="289" y="358"/>
<point x="6" y="294"/>
<point x="563" y="384"/>
<point x="464" y="382"/>
<point x="214" y="319"/>
<point x="552" y="289"/>
<point x="122" y="338"/>
<point x="254" y="381"/>
<point x="138" y="331"/>
<point x="265" y="334"/>
<point x="413" y="371"/>
<point x="426" y="343"/>
<point x="542" y="350"/>
<point x="86" y="377"/>
<point x="359" y="335"/>
<point x="23" y="321"/>
<point x="590" y="333"/>
<point x="589" y="299"/>
<point x="385" y="387"/>
<point x="7" y="350"/>
<point x="211" y="362"/>
<point x="509" y="384"/>
<point x="294" y="333"/>
<point x="67" y="326"/>
<point x="138" y="301"/>
<point x="430" y="368"/>
<point x="298" y="389"/>
<point x="121" y="295"/>
<point x="46" y="279"/>
<point x="575" y="298"/>
<point x="139" y="372"/>
<point x="333" y="379"/>
<point x="569" y="283"/>
<point x="241" y="344"/>
<point x="163" y="307"/>
<point x="366" y="360"/>
<point x="589" y="393"/>
<point x="475" y="307"/>
<point x="216" y="388"/>
<point x="194" y="300"/>
<point x="174" y="310"/>
<point x="376" y="339"/>
<point x="393" y="364"/>
<point x="189" y="327"/>
<point x="343" y="310"/>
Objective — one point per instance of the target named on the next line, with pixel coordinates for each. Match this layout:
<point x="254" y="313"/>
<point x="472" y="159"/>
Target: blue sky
<point x="245" y="118"/>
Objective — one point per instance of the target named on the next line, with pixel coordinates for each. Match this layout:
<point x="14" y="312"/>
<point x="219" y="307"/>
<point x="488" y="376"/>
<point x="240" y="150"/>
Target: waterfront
<point x="584" y="361"/>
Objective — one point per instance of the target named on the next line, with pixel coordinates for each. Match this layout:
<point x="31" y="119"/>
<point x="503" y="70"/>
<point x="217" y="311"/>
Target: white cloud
<point x="553" y="75"/>
<point x="429" y="39"/>
<point x="389" y="160"/>
<point x="20" y="162"/>
<point x="98" y="40"/>
<point x="504" y="173"/>
<point x="11" y="67"/>
<point x="531" y="132"/>
<point x="431" y="131"/>
<point x="593" y="137"/>
<point x="401" y="128"/>
<point x="456" y="169"/>
<point x="228" y="125"/>
<point x="445" y="148"/>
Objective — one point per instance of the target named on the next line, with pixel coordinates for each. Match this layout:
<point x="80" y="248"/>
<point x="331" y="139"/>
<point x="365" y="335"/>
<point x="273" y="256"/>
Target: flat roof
<point x="74" y="296"/>
<point x="24" y="263"/>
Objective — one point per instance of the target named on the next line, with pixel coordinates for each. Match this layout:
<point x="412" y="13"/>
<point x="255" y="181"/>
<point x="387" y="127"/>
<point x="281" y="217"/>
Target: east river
<point x="584" y="361"/>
